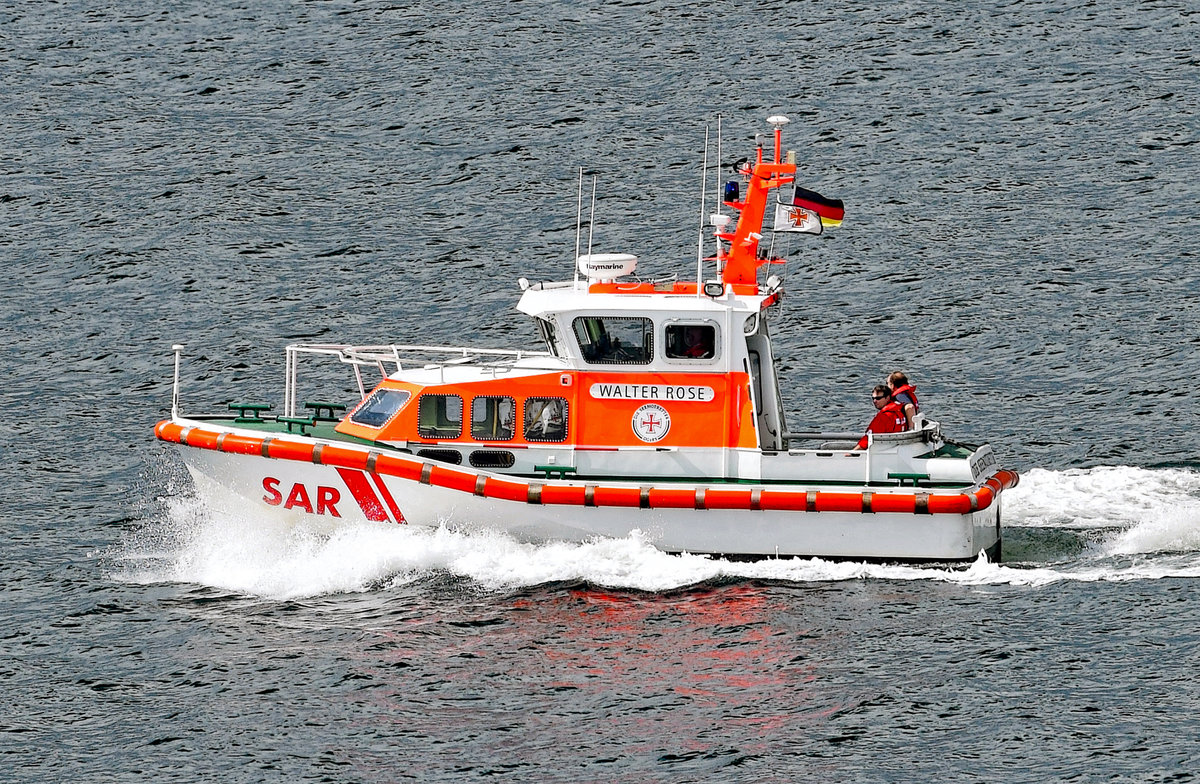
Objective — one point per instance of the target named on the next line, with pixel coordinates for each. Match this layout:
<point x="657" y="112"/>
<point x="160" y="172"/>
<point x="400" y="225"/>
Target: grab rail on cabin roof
<point x="381" y="356"/>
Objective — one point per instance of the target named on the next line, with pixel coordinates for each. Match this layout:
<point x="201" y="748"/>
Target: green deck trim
<point x="903" y="477"/>
<point x="549" y="470"/>
<point x="320" y="406"/>
<point x="249" y="412"/>
<point x="297" y="422"/>
<point x="322" y="429"/>
<point x="956" y="451"/>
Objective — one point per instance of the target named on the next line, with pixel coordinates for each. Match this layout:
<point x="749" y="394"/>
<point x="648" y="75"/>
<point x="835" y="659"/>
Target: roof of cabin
<point x="556" y="298"/>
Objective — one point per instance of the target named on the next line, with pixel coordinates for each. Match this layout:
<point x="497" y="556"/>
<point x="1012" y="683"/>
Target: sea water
<point x="1021" y="184"/>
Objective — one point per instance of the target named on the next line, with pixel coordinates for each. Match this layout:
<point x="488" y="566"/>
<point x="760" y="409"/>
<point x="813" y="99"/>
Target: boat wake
<point x="1109" y="512"/>
<point x="1098" y="524"/>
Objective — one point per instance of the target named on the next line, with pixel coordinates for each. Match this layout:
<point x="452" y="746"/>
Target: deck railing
<point x="391" y="359"/>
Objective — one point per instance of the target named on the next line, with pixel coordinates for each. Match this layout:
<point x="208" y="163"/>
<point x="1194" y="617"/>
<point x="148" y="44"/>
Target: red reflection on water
<point x="709" y="671"/>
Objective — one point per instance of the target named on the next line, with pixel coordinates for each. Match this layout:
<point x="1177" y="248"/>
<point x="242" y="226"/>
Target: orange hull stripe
<point x="671" y="498"/>
<point x="716" y="498"/>
<point x="347" y="458"/>
<point x="396" y="466"/>
<point x="290" y="450"/>
<point x="886" y="502"/>
<point x="506" y="489"/>
<point x="242" y="445"/>
<point x="617" y="496"/>
<point x="784" y="500"/>
<point x="455" y="480"/>
<point x="570" y="494"/>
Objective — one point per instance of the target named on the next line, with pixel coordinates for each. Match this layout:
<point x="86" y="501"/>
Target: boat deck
<point x="254" y="418"/>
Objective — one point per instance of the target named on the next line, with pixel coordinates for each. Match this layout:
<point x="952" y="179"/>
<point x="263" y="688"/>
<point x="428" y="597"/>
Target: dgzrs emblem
<point x="651" y="423"/>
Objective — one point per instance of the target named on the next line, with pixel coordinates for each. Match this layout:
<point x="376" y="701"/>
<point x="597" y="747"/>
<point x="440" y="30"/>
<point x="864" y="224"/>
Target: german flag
<point x="831" y="210"/>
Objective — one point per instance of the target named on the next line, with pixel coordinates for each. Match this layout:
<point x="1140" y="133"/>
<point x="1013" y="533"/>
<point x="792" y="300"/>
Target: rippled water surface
<point x="1021" y="182"/>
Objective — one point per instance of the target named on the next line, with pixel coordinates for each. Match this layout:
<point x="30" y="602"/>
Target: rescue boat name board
<point x="670" y="392"/>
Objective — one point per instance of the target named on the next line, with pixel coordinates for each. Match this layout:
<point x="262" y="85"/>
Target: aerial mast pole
<point x="700" y="232"/>
<point x="741" y="268"/>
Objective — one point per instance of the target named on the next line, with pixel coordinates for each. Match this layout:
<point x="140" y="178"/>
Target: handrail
<point x="381" y="356"/>
<point x="391" y="352"/>
<point x="929" y="431"/>
<point x="831" y="436"/>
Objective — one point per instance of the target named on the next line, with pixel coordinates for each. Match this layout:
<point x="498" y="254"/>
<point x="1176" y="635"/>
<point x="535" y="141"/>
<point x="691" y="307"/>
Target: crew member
<point x="889" y="418"/>
<point x="697" y="343"/>
<point x="905" y="394"/>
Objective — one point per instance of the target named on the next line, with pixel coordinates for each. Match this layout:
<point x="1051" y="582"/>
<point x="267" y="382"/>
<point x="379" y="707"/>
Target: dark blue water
<point x="1022" y="185"/>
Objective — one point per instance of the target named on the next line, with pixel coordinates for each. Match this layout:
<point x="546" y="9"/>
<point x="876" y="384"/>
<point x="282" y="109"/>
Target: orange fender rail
<point x="576" y="494"/>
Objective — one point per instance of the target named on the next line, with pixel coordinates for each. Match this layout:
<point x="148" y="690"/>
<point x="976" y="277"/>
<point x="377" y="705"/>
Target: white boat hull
<point x="327" y="490"/>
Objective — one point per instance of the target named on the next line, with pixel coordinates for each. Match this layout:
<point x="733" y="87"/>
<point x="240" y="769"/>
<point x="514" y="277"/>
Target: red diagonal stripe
<point x="360" y="488"/>
<point x="386" y="495"/>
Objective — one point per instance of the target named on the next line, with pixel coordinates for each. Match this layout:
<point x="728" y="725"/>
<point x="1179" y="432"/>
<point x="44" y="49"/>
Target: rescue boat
<point x="650" y="406"/>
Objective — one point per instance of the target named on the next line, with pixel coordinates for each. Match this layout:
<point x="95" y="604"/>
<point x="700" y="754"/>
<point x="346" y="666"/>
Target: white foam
<point x="1149" y="510"/>
<point x="1102" y="497"/>
<point x="1173" y="530"/>
<point x="1153" y="514"/>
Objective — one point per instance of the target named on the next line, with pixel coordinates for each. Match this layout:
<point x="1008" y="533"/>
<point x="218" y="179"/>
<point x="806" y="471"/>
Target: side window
<point x="549" y="335"/>
<point x="615" y="340"/>
<point x="440" y="416"/>
<point x="492" y="418"/>
<point x="545" y="419"/>
<point x="691" y="341"/>
<point x="380" y="407"/>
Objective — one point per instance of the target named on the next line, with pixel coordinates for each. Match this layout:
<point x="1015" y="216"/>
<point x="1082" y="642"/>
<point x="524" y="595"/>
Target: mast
<point x="700" y="233"/>
<point x="742" y="261"/>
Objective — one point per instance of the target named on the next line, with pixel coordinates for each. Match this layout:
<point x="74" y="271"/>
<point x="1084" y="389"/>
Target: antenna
<point x="778" y="120"/>
<point x="578" y="224"/>
<point x="700" y="233"/>
<point x="178" y="349"/>
<point x="718" y="196"/>
<point x="718" y="219"/>
<point x="592" y="219"/>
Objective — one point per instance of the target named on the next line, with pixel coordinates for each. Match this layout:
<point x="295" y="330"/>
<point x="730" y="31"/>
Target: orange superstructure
<point x="591" y="401"/>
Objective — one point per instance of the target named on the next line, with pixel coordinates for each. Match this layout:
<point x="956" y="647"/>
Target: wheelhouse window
<point x="615" y="340"/>
<point x="545" y="419"/>
<point x="381" y="406"/>
<point x="691" y="341"/>
<point x="440" y="416"/>
<point x="493" y="418"/>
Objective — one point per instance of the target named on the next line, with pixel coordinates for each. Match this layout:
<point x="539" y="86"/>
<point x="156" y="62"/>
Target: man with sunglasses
<point x="889" y="417"/>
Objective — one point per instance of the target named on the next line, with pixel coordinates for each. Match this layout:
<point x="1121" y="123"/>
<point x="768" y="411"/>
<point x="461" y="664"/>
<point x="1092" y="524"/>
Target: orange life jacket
<point x="911" y="391"/>
<point x="889" y="419"/>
